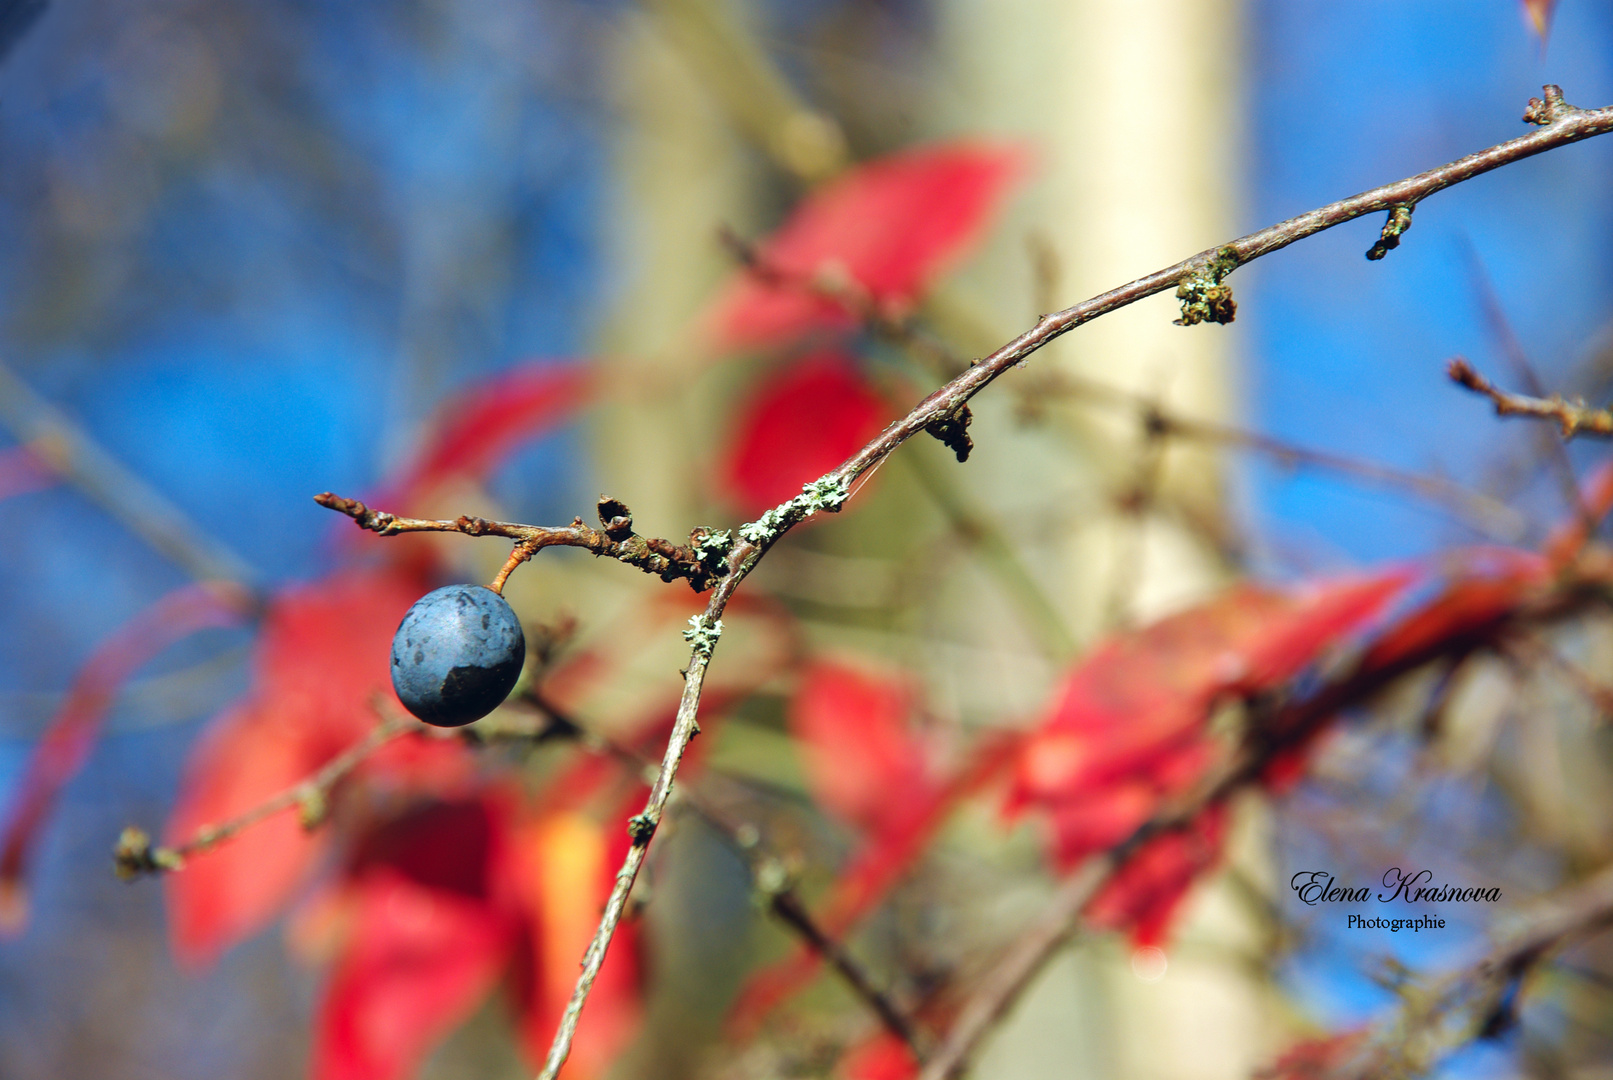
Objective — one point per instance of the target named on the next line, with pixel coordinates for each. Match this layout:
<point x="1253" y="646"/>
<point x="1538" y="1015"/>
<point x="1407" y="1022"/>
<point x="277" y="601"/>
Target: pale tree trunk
<point x="1133" y="111"/>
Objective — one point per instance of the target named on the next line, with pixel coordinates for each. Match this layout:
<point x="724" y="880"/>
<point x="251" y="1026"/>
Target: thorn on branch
<point x="1389" y="239"/>
<point x="1203" y="297"/>
<point x="953" y="431"/>
<point x="1572" y="417"/>
<point x="1552" y="109"/>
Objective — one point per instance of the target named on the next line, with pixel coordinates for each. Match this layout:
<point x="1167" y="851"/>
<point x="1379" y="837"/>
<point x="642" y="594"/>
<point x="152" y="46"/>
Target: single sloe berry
<point x="457" y="654"/>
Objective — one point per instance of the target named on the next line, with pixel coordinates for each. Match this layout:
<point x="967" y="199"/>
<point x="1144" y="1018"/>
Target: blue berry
<point x="457" y="654"/>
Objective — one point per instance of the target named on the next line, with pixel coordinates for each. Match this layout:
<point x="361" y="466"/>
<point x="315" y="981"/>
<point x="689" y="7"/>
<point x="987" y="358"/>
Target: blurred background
<point x="246" y="251"/>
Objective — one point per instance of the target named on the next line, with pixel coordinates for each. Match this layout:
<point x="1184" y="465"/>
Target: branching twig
<point x="1198" y="277"/>
<point x="1572" y="417"/>
<point x="698" y="562"/>
<point x="70" y="452"/>
<point x="1291" y="726"/>
<point x="1485" y="513"/>
<point x="782" y="899"/>
<point x="134" y="854"/>
<point x="1555" y="452"/>
<point x="1480" y="998"/>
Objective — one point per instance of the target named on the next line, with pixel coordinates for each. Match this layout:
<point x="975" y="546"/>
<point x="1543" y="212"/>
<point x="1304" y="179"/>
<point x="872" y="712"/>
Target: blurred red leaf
<point x="882" y="1057"/>
<point x="22" y="471"/>
<point x="1127" y="731"/>
<point x="1315" y="1059"/>
<point x="887" y="228"/>
<point x="479" y="427"/>
<point x="67" y="742"/>
<point x="1484" y="586"/>
<point x="321" y="657"/>
<point x="1145" y="893"/>
<point x="447" y="897"/>
<point x="862" y="757"/>
<point x="799" y="423"/>
<point x="419" y="963"/>
<point x="564" y="870"/>
<point x="1129" y="708"/>
<point x="867" y="765"/>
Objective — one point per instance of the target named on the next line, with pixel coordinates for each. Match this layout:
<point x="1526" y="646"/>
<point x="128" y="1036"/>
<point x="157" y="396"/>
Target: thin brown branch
<point x="1489" y="515"/>
<point x="1572" y="417"/>
<point x="1479" y="998"/>
<point x="757" y="96"/>
<point x="134" y="854"/>
<point x="1524" y="369"/>
<point x="70" y="452"/>
<point x="1196" y="279"/>
<point x="782" y="899"/>
<point x="1290" y="726"/>
<point x="1533" y="650"/>
<point x="787" y="907"/>
<point x="698" y="562"/>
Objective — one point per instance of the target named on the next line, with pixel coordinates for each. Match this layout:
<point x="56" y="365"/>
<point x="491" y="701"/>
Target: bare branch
<point x="1479" y="998"/>
<point x="1489" y="515"/>
<point x="1291" y="725"/>
<point x="70" y="452"/>
<point x="134" y="854"/>
<point x="1198" y="277"/>
<point x="1572" y="417"/>
<point x="1500" y="326"/>
<point x="698" y="562"/>
<point x="782" y="900"/>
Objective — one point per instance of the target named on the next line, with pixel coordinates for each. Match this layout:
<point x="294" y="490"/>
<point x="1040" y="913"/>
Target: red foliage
<point x="321" y="658"/>
<point x="21" y="471"/>
<point x="432" y="929"/>
<point x="1316" y="1059"/>
<point x="1127" y="731"/>
<point x="478" y="428"/>
<point x="1146" y="892"/>
<point x="887" y="228"/>
<point x="798" y="424"/>
<point x="867" y="765"/>
<point x="882" y="1057"/>
<point x="564" y="868"/>
<point x="67" y="743"/>
<point x="1485" y="585"/>
<point x="861" y="756"/>
<point x="448" y="898"/>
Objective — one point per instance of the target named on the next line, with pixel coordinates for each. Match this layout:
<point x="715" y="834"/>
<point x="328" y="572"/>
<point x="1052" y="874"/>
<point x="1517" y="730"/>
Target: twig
<point x="999" y="555"/>
<point x="782" y="899"/>
<point x="789" y="910"/>
<point x="70" y="452"/>
<point x="1291" y="726"/>
<point x="1479" y="998"/>
<point x="1488" y="514"/>
<point x="1593" y="690"/>
<point x="698" y="562"/>
<point x="1196" y="278"/>
<point x="1572" y="417"/>
<point x="734" y="66"/>
<point x="134" y="854"/>
<point x="1556" y="453"/>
